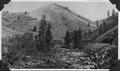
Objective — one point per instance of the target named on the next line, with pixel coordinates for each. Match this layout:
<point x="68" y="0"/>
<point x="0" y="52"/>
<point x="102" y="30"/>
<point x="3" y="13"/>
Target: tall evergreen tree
<point x="41" y="33"/>
<point x="79" y="34"/>
<point x="104" y="24"/>
<point x="101" y="29"/>
<point x="25" y="12"/>
<point x="72" y="36"/>
<point x="18" y="17"/>
<point x="42" y="28"/>
<point x="113" y="12"/>
<point x="97" y="24"/>
<point x="88" y="25"/>
<point x="48" y="34"/>
<point x="77" y="38"/>
<point x="108" y="13"/>
<point x="34" y="29"/>
<point x="67" y="38"/>
<point x="75" y="42"/>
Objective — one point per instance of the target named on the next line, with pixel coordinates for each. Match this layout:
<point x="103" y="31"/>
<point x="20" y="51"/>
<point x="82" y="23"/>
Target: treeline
<point x="73" y="39"/>
<point x="102" y="28"/>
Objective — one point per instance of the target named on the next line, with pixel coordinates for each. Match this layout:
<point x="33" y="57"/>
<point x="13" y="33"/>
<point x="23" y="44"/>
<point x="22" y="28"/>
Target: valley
<point x="55" y="37"/>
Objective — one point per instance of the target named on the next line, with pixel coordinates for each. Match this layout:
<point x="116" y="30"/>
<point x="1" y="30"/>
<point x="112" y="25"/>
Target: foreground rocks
<point x="94" y="55"/>
<point x="103" y="55"/>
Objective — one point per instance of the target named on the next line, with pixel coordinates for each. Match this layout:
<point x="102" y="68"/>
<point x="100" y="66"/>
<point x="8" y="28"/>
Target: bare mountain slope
<point x="107" y="34"/>
<point x="106" y="29"/>
<point x="7" y="32"/>
<point x="61" y="18"/>
<point x="18" y="22"/>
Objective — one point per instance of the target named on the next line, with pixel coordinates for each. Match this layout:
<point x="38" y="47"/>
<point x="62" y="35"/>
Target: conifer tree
<point x="79" y="34"/>
<point x="75" y="42"/>
<point x="77" y="38"/>
<point x="42" y="34"/>
<point x="113" y="12"/>
<point x="35" y="29"/>
<point x="104" y="26"/>
<point x="88" y="25"/>
<point x="7" y="11"/>
<point x="97" y="24"/>
<point x="72" y="36"/>
<point x="67" y="38"/>
<point x="25" y="12"/>
<point x="48" y="35"/>
<point x="42" y="28"/>
<point x="108" y="13"/>
<point x="18" y="17"/>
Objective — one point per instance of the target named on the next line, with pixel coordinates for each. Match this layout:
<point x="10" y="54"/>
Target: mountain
<point x="16" y="23"/>
<point x="60" y="17"/>
<point x="106" y="31"/>
<point x="7" y="32"/>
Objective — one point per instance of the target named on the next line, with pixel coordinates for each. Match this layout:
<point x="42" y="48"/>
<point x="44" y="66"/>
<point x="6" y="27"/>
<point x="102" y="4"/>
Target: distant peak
<point x="55" y="5"/>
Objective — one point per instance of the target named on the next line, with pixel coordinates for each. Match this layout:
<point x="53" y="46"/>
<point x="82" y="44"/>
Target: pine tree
<point x="88" y="25"/>
<point x="42" y="28"/>
<point x="35" y="29"/>
<point x="48" y="35"/>
<point x="25" y="12"/>
<point x="108" y="13"/>
<point x="97" y="24"/>
<point x="75" y="42"/>
<point x="41" y="34"/>
<point x="79" y="34"/>
<point x="67" y="38"/>
<point x="104" y="24"/>
<point x="18" y="17"/>
<point x="72" y="36"/>
<point x="7" y="11"/>
<point x="77" y="38"/>
<point x="43" y="24"/>
<point x="113" y="12"/>
<point x="100" y="29"/>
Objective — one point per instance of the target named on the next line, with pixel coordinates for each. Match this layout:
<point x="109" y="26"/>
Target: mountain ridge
<point x="60" y="17"/>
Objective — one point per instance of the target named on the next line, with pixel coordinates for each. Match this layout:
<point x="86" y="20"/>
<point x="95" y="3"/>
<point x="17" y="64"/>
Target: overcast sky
<point x="90" y="10"/>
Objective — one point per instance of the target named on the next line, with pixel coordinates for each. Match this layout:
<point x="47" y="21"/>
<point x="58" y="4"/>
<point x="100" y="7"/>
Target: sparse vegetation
<point x="40" y="45"/>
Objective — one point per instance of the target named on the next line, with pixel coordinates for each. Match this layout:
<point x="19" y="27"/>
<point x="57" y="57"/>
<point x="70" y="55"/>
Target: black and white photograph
<point x="59" y="35"/>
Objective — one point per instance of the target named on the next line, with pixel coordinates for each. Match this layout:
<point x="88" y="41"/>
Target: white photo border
<point x="60" y="69"/>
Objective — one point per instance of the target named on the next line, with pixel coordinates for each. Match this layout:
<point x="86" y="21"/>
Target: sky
<point x="90" y="10"/>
